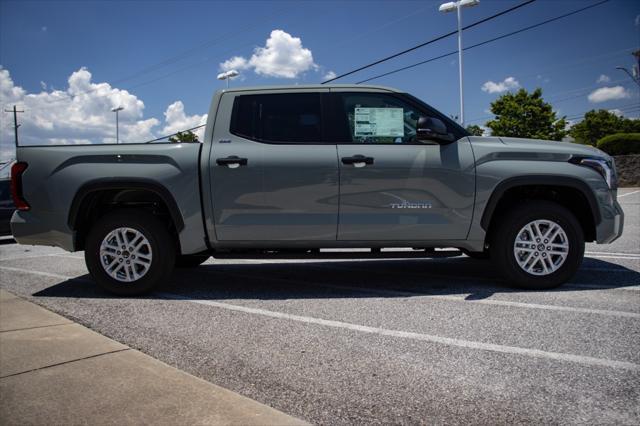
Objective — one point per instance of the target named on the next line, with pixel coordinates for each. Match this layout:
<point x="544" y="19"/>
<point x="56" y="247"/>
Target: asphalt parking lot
<point x="379" y="341"/>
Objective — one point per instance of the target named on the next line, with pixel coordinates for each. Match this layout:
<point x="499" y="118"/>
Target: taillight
<point x="16" y="185"/>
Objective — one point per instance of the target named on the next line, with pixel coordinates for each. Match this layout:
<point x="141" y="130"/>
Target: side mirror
<point x="433" y="129"/>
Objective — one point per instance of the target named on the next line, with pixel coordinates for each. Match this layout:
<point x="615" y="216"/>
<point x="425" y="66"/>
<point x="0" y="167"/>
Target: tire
<point x="478" y="255"/>
<point x="155" y="252"/>
<point x="541" y="268"/>
<point x="191" y="260"/>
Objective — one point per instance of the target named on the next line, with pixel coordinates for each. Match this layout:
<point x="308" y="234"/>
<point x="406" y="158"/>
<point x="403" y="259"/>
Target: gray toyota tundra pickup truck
<point x="300" y="168"/>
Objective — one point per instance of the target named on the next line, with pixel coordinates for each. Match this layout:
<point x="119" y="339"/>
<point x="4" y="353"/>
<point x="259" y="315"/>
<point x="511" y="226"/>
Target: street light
<point x="117" y="110"/>
<point x="228" y="75"/>
<point x="456" y="6"/>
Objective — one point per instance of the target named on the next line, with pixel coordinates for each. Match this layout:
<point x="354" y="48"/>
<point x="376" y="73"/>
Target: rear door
<point x="393" y="187"/>
<point x="275" y="177"/>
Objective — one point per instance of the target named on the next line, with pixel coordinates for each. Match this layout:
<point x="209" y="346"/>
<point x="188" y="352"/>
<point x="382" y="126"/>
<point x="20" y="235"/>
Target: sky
<point x="68" y="63"/>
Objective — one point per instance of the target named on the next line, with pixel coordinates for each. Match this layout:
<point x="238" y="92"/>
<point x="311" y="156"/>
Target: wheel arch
<point x="572" y="193"/>
<point x="119" y="192"/>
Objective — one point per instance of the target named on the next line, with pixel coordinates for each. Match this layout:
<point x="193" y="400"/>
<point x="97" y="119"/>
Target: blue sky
<point x="163" y="52"/>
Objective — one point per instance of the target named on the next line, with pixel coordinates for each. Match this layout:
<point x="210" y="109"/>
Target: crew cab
<point x="297" y="169"/>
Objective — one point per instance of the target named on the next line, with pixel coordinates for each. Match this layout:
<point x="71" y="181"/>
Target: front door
<point x="274" y="178"/>
<point x="393" y="187"/>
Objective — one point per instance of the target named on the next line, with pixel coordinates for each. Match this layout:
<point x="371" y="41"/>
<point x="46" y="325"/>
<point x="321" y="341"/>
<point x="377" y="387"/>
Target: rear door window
<point x="285" y="118"/>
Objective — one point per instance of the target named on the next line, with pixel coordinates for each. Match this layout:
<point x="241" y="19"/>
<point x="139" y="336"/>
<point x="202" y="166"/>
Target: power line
<point x="627" y="108"/>
<point x="411" y="49"/>
<point x="580" y="93"/>
<point x="582" y="90"/>
<point x="512" y="33"/>
<point x="624" y="108"/>
<point x="176" y="58"/>
<point x="581" y="61"/>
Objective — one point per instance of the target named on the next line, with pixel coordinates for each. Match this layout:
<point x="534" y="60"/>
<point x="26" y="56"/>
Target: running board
<point x="335" y="254"/>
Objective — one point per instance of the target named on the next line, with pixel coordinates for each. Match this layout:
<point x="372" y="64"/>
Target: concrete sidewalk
<point x="54" y="371"/>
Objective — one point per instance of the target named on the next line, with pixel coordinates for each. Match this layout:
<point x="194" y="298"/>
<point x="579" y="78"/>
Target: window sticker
<point x="379" y="122"/>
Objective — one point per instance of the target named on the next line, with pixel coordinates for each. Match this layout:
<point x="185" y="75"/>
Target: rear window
<point x="278" y="118"/>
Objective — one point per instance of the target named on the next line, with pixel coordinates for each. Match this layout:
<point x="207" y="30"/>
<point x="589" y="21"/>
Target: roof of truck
<point x="311" y="86"/>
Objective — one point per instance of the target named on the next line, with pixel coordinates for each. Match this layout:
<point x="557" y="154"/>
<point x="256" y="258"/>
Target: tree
<point x="597" y="124"/>
<point x="475" y="130"/>
<point x="526" y="115"/>
<point x="187" y="136"/>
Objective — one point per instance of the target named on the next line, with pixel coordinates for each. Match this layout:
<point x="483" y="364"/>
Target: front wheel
<point x="128" y="252"/>
<point x="539" y="245"/>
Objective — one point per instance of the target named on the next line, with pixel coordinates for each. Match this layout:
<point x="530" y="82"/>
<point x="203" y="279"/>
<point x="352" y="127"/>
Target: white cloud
<point x="508" y="83"/>
<point x="603" y="79"/>
<point x="282" y="56"/>
<point x="176" y="120"/>
<point x="329" y="75"/>
<point x="617" y="112"/>
<point x="81" y="114"/>
<point x="9" y="92"/>
<point x="604" y="94"/>
<point x="235" y="63"/>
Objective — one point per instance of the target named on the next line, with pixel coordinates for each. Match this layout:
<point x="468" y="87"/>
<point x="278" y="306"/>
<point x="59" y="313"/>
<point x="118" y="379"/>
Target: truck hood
<point x="539" y="146"/>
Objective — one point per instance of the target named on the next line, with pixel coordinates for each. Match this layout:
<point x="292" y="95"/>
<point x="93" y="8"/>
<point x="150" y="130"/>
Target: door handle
<point x="357" y="160"/>
<point x="232" y="161"/>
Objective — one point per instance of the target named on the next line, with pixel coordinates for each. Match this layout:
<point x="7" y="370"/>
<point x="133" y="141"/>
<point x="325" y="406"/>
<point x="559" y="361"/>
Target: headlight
<point x="605" y="168"/>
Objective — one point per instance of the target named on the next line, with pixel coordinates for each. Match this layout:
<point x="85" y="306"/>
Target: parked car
<point x="301" y="168"/>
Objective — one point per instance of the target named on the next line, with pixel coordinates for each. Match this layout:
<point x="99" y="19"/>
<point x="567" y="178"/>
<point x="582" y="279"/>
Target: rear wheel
<point x="539" y="245"/>
<point x="129" y="252"/>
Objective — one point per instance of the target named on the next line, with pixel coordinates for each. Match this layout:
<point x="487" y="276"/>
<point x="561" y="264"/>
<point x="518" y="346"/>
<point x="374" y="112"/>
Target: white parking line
<point x="427" y="275"/>
<point x="628" y="193"/>
<point x="601" y="256"/>
<point x="535" y="353"/>
<point x="41" y="273"/>
<point x="404" y="293"/>
<point x="600" y="287"/>
<point x="589" y="268"/>
<point x="497" y="302"/>
<point x="34" y="256"/>
<point x="610" y="253"/>
<point x="402" y="334"/>
<point x="69" y="256"/>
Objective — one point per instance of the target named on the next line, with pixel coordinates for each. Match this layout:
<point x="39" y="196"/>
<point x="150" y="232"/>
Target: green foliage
<point x="620" y="144"/>
<point x="475" y="130"/>
<point x="526" y="115"/>
<point x="601" y="123"/>
<point x="187" y="136"/>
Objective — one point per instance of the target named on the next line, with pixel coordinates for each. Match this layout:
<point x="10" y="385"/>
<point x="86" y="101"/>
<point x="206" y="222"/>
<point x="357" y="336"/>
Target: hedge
<point x="620" y="144"/>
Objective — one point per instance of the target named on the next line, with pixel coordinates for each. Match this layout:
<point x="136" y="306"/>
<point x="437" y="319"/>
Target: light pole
<point x="117" y="110"/>
<point x="456" y="6"/>
<point x="228" y="75"/>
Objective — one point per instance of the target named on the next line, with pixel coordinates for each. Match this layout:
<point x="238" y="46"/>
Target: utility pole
<point x="15" y="122"/>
